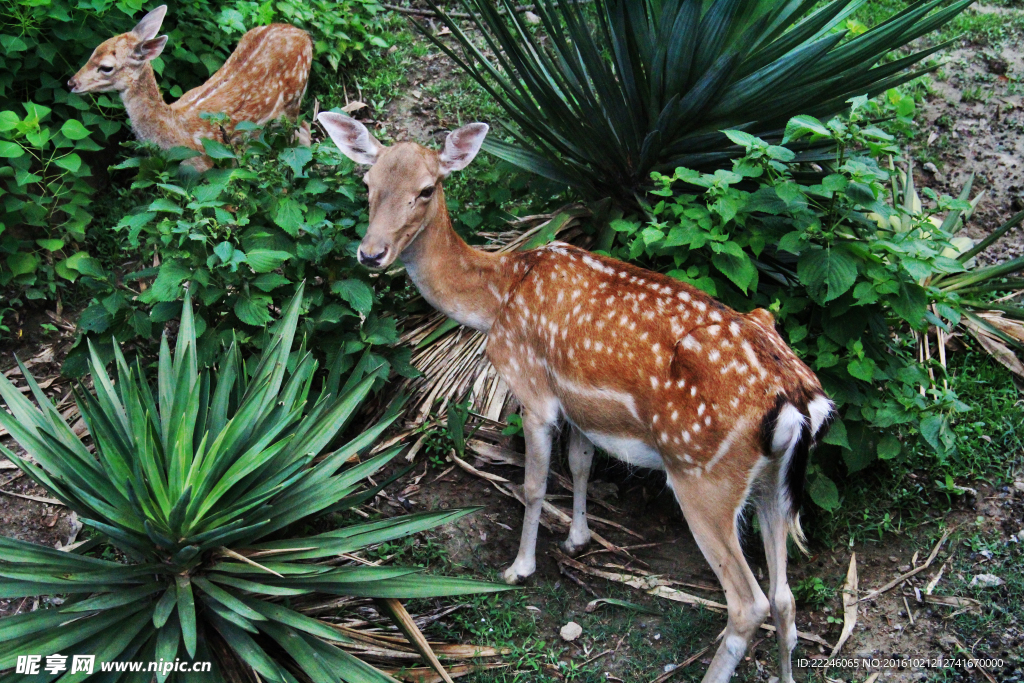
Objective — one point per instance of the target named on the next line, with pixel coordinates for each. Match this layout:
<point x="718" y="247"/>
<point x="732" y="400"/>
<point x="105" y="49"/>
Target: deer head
<point x="404" y="182"/>
<point x="118" y="62"/>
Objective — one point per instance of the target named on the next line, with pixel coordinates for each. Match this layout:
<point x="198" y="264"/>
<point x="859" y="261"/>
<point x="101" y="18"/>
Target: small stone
<point x="904" y="568"/>
<point x="934" y="170"/>
<point x="1019" y="485"/>
<point x="986" y="581"/>
<point x="531" y="18"/>
<point x="670" y="667"/>
<point x="571" y="631"/>
<point x="894" y="559"/>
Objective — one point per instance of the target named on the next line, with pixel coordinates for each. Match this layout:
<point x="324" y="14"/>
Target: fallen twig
<point x="849" y="605"/>
<point x="423" y="675"/>
<point x="977" y="664"/>
<point x="416" y="638"/>
<point x="687" y="662"/>
<point x="38" y="499"/>
<point x="903" y="577"/>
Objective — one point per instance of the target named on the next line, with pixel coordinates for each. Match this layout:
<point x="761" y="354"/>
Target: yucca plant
<point x="998" y="325"/>
<point x="190" y="488"/>
<point x="605" y="93"/>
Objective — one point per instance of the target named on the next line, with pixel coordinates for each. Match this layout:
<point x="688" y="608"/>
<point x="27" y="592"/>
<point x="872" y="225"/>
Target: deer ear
<point x="149" y="49"/>
<point x="462" y="146"/>
<point x="149" y="26"/>
<point x="351" y="137"/>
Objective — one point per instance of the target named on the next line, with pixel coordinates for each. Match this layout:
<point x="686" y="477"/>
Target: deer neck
<point x="464" y="283"/>
<point x="152" y="119"/>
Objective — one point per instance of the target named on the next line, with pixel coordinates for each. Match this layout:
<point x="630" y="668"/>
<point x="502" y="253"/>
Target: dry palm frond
<point x="451" y="357"/>
<point x="992" y="329"/>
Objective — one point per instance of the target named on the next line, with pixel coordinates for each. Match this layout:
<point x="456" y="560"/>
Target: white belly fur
<point x="631" y="451"/>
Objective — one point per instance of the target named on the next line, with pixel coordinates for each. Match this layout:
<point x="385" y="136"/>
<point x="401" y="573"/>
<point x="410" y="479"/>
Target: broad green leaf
<point x="266" y="260"/>
<point x="888" y="447"/>
<point x="823" y="492"/>
<point x="827" y="273"/>
<point x="217" y="150"/>
<point x="253" y="309"/>
<point x="22" y="263"/>
<point x="74" y="130"/>
<point x="357" y="293"/>
<point x="69" y="162"/>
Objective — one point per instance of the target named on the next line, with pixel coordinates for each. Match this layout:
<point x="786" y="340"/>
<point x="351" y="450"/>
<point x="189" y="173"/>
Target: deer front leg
<point x="538" y="459"/>
<point x="581" y="455"/>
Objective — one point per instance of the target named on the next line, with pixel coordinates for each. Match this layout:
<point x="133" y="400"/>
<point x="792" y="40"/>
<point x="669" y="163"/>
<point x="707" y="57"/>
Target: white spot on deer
<point x="707" y="420"/>
<point x="686" y="436"/>
<point x="734" y="328"/>
<point x="713" y="330"/>
<point x="680" y="384"/>
<point x="690" y="344"/>
<point x="693" y="390"/>
<point x="695" y="428"/>
<point x="715" y="316"/>
<point x="586" y="343"/>
<point x="654" y="382"/>
<point x="714" y="355"/>
<point x="675" y="415"/>
<point x="654" y="420"/>
<point x="598" y="346"/>
<point x="700" y="409"/>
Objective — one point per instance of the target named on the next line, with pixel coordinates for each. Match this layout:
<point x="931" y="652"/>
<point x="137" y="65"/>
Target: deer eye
<point x="106" y="69"/>
<point x="427" y="192"/>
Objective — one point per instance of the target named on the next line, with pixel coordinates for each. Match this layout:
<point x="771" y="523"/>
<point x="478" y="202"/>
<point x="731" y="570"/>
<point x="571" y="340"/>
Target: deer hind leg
<point x="711" y="507"/>
<point x="581" y="456"/>
<point x="538" y="433"/>
<point x="771" y="513"/>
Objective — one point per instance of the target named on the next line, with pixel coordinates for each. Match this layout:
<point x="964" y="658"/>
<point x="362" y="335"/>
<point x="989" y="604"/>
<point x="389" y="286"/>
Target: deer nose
<point x="371" y="260"/>
<point x="72" y="83"/>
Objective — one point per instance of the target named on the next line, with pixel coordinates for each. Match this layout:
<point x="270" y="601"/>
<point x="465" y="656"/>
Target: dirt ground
<point x="969" y="131"/>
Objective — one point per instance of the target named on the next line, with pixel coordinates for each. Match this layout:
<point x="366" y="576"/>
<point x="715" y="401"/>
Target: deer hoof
<point x="572" y="549"/>
<point x="515" y="577"/>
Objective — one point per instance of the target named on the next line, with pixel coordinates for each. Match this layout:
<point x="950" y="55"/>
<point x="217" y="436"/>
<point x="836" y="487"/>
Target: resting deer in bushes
<point x="263" y="79"/>
<point x="650" y="369"/>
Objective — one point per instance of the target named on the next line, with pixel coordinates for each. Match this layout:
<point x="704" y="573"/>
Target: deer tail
<point x="789" y="431"/>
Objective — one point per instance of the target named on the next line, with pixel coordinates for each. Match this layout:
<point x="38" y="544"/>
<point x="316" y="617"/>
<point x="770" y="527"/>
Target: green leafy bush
<point x="341" y="30"/>
<point x="241" y="238"/>
<point x="605" y="93"/>
<point x="848" y="275"/>
<point x="193" y="487"/>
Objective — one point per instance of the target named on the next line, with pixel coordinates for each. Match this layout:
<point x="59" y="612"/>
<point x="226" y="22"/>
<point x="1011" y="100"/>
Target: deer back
<point x="263" y="79"/>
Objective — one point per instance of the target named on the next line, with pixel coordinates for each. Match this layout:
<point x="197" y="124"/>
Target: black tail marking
<point x="769" y="422"/>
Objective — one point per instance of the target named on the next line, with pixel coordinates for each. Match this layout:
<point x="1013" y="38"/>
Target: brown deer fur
<point x="652" y="370"/>
<point x="263" y="79"/>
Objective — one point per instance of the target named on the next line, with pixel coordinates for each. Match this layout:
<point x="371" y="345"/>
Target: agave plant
<point x="609" y="92"/>
<point x="998" y="325"/>
<point x="190" y="488"/>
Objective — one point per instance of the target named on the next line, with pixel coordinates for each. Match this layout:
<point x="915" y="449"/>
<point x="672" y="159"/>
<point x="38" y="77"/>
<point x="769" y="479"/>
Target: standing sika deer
<point x="648" y="368"/>
<point x="263" y="79"/>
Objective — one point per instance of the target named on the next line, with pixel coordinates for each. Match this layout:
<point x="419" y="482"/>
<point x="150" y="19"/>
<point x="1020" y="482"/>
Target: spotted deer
<point x="650" y="369"/>
<point x="263" y="79"/>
